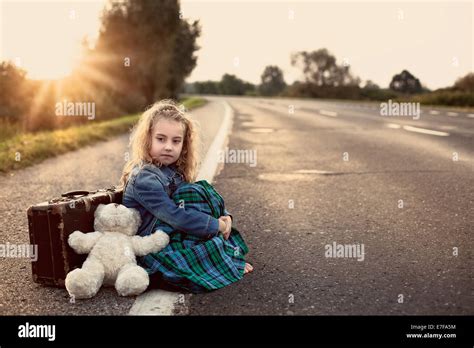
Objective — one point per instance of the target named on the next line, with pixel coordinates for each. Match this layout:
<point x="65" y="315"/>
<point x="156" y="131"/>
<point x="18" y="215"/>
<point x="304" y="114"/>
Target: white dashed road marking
<point x="393" y="125"/>
<point x="312" y="171"/>
<point x="328" y="113"/>
<point x="425" y="131"/>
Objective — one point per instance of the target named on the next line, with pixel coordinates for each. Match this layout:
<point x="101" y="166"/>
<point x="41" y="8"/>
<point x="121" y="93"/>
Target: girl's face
<point x="167" y="141"/>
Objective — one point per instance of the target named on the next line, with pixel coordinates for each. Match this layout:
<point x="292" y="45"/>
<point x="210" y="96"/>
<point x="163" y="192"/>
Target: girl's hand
<point x="227" y="221"/>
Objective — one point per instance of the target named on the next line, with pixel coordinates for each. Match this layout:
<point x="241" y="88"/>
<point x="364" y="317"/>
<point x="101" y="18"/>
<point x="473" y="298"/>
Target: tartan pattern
<point x="194" y="263"/>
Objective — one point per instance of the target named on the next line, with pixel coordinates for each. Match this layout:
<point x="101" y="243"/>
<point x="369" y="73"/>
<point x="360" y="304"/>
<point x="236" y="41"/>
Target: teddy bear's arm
<point x="82" y="243"/>
<point x="150" y="244"/>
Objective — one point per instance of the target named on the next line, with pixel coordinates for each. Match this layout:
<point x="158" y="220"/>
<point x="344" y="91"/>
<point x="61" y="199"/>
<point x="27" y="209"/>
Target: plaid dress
<point x="193" y="263"/>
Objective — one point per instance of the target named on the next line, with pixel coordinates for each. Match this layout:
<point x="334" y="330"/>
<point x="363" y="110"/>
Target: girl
<point x="205" y="252"/>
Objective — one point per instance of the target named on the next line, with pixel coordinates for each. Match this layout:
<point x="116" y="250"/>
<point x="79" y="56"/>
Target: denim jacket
<point x="149" y="190"/>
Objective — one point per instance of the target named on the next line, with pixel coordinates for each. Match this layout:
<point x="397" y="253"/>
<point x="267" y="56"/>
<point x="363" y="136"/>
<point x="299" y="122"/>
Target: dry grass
<point x="20" y="150"/>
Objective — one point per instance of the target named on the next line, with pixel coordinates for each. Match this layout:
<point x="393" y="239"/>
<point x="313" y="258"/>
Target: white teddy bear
<point x="112" y="249"/>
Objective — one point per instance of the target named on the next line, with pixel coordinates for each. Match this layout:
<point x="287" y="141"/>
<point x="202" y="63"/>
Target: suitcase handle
<point x="75" y="193"/>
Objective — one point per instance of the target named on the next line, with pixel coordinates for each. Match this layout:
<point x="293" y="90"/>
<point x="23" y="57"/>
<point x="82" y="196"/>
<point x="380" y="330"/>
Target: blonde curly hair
<point x="141" y="139"/>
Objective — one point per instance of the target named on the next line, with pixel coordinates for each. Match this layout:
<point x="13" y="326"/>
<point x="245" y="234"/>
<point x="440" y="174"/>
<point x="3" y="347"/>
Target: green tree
<point x="273" y="82"/>
<point x="465" y="83"/>
<point x="207" y="87"/>
<point x="14" y="91"/>
<point x="370" y="85"/>
<point x="229" y="84"/>
<point x="232" y="85"/>
<point x="320" y="69"/>
<point x="184" y="60"/>
<point x="144" y="50"/>
<point x="137" y="39"/>
<point x="405" y="82"/>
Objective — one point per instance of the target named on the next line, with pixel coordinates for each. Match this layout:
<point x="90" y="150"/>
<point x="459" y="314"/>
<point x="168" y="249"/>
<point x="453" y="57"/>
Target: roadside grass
<point x="20" y="150"/>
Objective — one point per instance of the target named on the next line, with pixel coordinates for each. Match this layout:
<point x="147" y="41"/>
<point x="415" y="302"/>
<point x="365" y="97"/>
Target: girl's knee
<point x="188" y="188"/>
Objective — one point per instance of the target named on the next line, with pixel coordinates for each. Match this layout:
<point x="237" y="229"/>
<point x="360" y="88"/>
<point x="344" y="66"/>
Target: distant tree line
<point x="323" y="77"/>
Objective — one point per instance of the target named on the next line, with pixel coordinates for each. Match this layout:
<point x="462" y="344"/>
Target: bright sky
<point x="433" y="40"/>
<point x="44" y="37"/>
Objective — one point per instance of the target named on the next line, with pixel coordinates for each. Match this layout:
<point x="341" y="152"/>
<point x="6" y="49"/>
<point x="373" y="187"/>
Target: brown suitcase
<point x="50" y="224"/>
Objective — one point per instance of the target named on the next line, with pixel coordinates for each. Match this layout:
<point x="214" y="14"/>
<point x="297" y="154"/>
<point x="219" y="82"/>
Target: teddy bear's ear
<point x="136" y="217"/>
<point x="98" y="209"/>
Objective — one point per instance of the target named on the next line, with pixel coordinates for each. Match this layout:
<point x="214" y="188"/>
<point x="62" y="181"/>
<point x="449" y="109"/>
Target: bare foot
<point x="248" y="268"/>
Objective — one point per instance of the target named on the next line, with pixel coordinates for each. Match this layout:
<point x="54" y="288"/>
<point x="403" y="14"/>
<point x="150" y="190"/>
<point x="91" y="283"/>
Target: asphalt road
<point x="90" y="168"/>
<point x="325" y="172"/>
<point x="338" y="172"/>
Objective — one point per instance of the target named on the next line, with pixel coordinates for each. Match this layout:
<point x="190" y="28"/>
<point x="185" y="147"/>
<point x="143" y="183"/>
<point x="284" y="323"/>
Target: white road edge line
<point x="452" y="113"/>
<point x="161" y="302"/>
<point x="425" y="131"/>
<point x="470" y="115"/>
<point x="328" y="113"/>
<point x="211" y="163"/>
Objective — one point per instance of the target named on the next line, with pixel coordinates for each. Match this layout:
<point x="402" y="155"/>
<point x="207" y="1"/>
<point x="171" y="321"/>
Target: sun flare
<point x="49" y="46"/>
